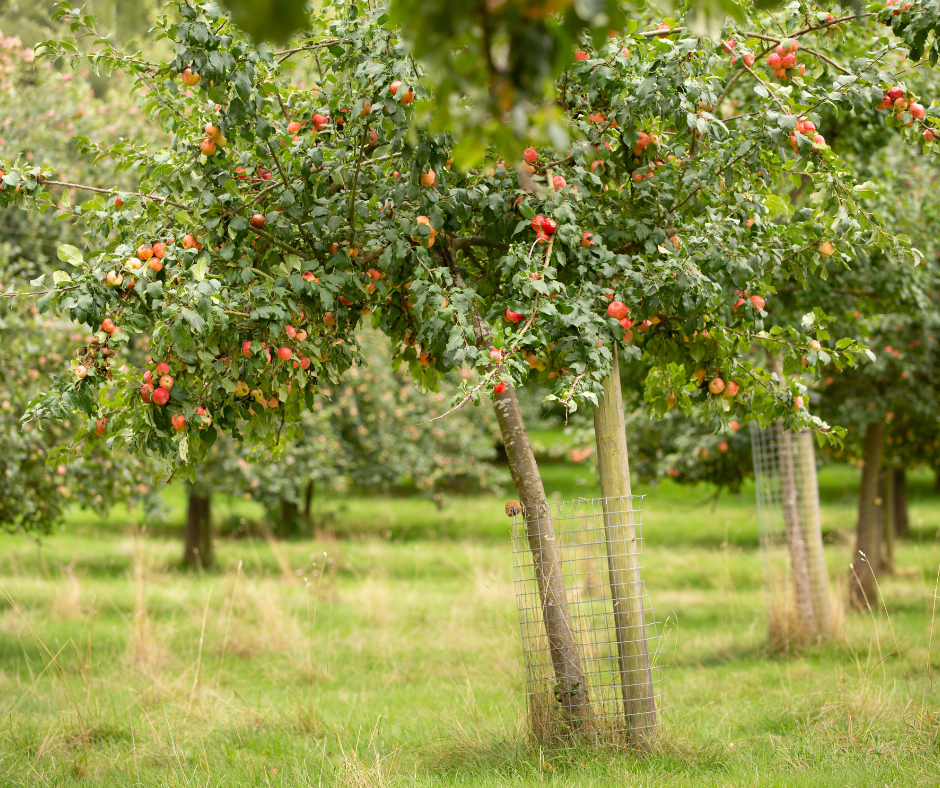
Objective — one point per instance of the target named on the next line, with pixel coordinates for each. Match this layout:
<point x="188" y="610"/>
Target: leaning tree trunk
<point x="796" y="544"/>
<point x="812" y="535"/>
<point x="197" y="549"/>
<point x="867" y="558"/>
<point x="571" y="690"/>
<point x="902" y="523"/>
<point x="308" y="501"/>
<point x="623" y="559"/>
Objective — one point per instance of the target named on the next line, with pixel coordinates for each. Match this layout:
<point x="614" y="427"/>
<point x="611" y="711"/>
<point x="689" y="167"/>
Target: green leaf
<point x="200" y="269"/>
<point x="61" y="276"/>
<point x="69" y="254"/>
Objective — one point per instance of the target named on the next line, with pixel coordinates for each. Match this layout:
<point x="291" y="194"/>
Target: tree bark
<point x="812" y="535"/>
<point x="290" y="514"/>
<point x="571" y="689"/>
<point x="197" y="548"/>
<point x="623" y="560"/>
<point x="866" y="561"/>
<point x="902" y="523"/>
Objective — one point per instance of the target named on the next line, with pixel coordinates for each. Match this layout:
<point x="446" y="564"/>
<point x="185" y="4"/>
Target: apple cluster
<point x="907" y="110"/>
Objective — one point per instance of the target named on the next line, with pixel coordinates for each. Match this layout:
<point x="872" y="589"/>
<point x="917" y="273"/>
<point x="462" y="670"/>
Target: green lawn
<point x="391" y="656"/>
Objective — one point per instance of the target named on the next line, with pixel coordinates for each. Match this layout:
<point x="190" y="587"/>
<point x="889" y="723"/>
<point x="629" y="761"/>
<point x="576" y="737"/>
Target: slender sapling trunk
<point x="812" y="535"/>
<point x="867" y="558"/>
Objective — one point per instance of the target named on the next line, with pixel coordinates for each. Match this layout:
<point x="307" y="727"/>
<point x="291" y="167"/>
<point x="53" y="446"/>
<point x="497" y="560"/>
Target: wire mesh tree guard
<point x="795" y="575"/>
<point x="598" y="544"/>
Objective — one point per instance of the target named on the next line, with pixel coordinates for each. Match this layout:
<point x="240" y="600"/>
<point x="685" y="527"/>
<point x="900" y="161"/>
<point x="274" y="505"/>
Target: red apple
<point x="161" y="369"/>
<point x="179" y="422"/>
<point x="917" y="110"/>
<point x="294" y="126"/>
<point x="290" y="331"/>
<point x="580" y="55"/>
<point x="548" y="226"/>
<point x="304" y="362"/>
<point x="531" y="155"/>
<point x="207" y="146"/>
<point x="161" y="396"/>
<point x="757" y="301"/>
<point x="895" y="93"/>
<point x="617" y="310"/>
<point x="159" y="250"/>
<point x="748" y="59"/>
<point x="514" y="317"/>
<point x="107" y="325"/>
<point x="146" y="392"/>
<point x="147" y="376"/>
<point x="427" y="178"/>
<point x="319" y="121"/>
<point x="101" y="426"/>
<point x="144" y="252"/>
<point x="499" y="388"/>
<point x="166" y="382"/>
<point x="716" y="385"/>
<point x="558" y="182"/>
<point x="257" y="220"/>
<point x="496" y="355"/>
<point x="731" y="389"/>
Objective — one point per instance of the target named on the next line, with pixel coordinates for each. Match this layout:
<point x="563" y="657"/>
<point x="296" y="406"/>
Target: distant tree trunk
<point x="886" y="510"/>
<point x="936" y="480"/>
<point x="308" y="500"/>
<point x="902" y="523"/>
<point x="623" y="558"/>
<point x="812" y="535"/>
<point x="289" y="524"/>
<point x="571" y="691"/>
<point x="197" y="549"/>
<point x="867" y="559"/>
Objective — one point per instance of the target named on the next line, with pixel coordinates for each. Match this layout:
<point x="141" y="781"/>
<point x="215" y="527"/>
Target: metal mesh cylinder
<point x="796" y="578"/>
<point x="619" y="653"/>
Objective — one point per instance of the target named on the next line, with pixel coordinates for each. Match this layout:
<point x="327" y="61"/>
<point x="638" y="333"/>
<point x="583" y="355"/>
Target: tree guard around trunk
<point x="622" y="679"/>
<point x="795" y="573"/>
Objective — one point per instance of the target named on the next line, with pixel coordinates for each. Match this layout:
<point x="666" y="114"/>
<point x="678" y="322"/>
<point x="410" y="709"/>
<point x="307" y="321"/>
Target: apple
<point x="241" y="389"/>
<point x="319" y="121"/>
<point x="758" y="302"/>
<point x="146" y="392"/>
<point x="826" y="249"/>
<point x="531" y="155"/>
<point x="895" y="93"/>
<point x="731" y="389"/>
<point x="749" y="223"/>
<point x="375" y="274"/>
<point x="773" y="61"/>
<point x="716" y="385"/>
<point x="929" y="135"/>
<point x="729" y="45"/>
<point x="114" y="279"/>
<point x="166" y="382"/>
<point x="147" y="376"/>
<point x="748" y="59"/>
<point x="179" y="422"/>
<point x="580" y="55"/>
<point x="427" y="178"/>
<point x="329" y="320"/>
<point x="161" y="369"/>
<point x="558" y="182"/>
<point x="917" y="110"/>
<point x="536" y="223"/>
<point x="815" y="344"/>
<point x="513" y="317"/>
<point x="617" y="310"/>
<point x="161" y="396"/>
<point x="499" y="388"/>
<point x="548" y="226"/>
<point x="257" y="221"/>
<point x="798" y="403"/>
<point x="155" y="265"/>
<point x="207" y="146"/>
<point x="586" y="241"/>
<point x="901" y="104"/>
<point x="734" y="426"/>
<point x="190" y="78"/>
<point x="118" y="202"/>
<point x="101" y="426"/>
<point x="213" y="132"/>
<point x="290" y="331"/>
<point x="294" y="126"/>
<point x="81" y="371"/>
<point x="308" y="276"/>
<point x="159" y="250"/>
<point x="107" y="325"/>
<point x="188" y="241"/>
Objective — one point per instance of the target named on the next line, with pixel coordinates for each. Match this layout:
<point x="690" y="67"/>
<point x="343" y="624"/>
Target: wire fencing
<point x="796" y="579"/>
<point x="598" y="550"/>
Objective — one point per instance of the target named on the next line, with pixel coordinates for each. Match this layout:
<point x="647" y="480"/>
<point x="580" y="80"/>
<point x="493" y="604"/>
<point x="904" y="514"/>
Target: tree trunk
<point x="790" y="502"/>
<point x="308" y="500"/>
<point x="571" y="690"/>
<point x="936" y="480"/>
<point x="796" y="544"/>
<point x="902" y="523"/>
<point x="623" y="560"/>
<point x="290" y="514"/>
<point x="865" y="563"/>
<point x="197" y="549"/>
<point x="812" y="535"/>
<point x="886" y="511"/>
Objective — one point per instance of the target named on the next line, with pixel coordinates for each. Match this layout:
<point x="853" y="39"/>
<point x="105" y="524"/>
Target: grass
<point x="391" y="657"/>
